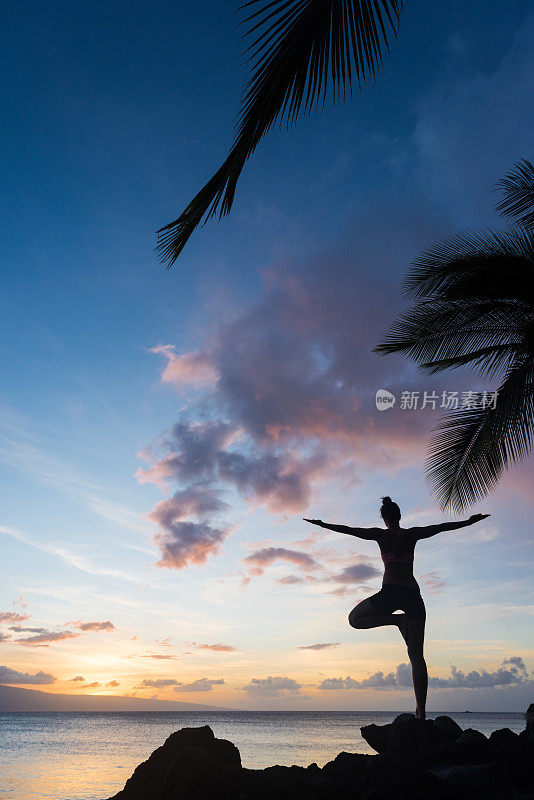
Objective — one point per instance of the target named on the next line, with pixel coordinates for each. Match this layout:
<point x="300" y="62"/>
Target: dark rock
<point x="377" y="736"/>
<point x="457" y="753"/>
<point x="471" y="736"/>
<point x="450" y="729"/>
<point x="517" y="757"/>
<point x="348" y="772"/>
<point x="503" y="742"/>
<point x="189" y="765"/>
<point x="390" y="777"/>
<point x="479" y="781"/>
<point x="408" y="737"/>
<point x="279" y="783"/>
<point x="530" y="721"/>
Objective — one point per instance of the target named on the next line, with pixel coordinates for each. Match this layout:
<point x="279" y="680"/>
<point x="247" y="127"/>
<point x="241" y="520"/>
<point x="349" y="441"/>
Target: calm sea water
<point x="89" y="756"/>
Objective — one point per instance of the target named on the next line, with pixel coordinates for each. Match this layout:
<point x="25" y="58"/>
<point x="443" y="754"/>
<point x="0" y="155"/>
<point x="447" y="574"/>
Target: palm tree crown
<point x="475" y="306"/>
<point x="297" y="49"/>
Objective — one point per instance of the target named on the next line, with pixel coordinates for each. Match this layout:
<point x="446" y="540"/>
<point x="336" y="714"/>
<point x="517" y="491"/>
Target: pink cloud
<point x="159" y="656"/>
<point x="289" y="386"/>
<point x="217" y="648"/>
<point x="185" y="543"/>
<point x="319" y="646"/>
<point x="195" y="501"/>
<point x="12" y="616"/>
<point x="95" y="626"/>
<point x="45" y="639"/>
<point x="187" y="369"/>
<point x="258" y="560"/>
<point x="432" y="581"/>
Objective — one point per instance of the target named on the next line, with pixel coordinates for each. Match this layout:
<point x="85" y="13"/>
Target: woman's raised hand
<point x="478" y="517"/>
<point x="313" y="521"/>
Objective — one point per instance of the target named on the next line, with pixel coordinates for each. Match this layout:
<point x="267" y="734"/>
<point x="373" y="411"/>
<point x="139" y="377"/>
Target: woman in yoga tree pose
<point x="400" y="590"/>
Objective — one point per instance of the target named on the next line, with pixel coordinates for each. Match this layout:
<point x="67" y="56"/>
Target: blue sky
<point x="111" y="123"/>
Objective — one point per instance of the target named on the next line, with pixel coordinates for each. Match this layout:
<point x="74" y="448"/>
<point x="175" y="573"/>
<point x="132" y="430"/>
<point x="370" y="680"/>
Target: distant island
<point x="14" y="699"/>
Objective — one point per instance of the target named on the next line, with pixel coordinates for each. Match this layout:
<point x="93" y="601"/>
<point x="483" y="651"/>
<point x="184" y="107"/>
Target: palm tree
<point x="297" y="50"/>
<point x="475" y="306"/>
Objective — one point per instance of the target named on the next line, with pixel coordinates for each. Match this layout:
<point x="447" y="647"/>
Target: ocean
<point x="89" y="756"/>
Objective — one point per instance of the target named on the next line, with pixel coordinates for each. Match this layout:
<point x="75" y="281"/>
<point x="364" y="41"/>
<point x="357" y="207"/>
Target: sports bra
<point x="389" y="557"/>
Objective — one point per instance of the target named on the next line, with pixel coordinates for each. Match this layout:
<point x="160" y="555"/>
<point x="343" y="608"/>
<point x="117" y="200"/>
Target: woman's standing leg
<point x="416" y="637"/>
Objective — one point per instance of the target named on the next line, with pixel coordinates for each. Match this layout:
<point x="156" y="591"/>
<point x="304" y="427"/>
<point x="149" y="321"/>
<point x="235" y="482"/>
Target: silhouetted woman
<point x="400" y="590"/>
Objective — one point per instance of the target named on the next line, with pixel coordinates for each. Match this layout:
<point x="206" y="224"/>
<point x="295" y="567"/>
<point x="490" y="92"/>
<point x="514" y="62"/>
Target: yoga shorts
<point x="393" y="597"/>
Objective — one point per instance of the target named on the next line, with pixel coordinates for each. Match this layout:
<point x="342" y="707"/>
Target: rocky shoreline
<point x="434" y="760"/>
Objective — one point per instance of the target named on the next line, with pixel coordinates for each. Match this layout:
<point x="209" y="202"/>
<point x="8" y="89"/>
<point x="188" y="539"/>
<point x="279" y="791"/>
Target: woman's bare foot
<point x="420" y="716"/>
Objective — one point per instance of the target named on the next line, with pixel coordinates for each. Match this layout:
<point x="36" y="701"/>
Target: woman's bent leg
<point x="365" y="615"/>
<point x="416" y="636"/>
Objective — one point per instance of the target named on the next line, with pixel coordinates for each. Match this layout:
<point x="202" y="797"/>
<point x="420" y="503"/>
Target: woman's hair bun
<point x="386" y="500"/>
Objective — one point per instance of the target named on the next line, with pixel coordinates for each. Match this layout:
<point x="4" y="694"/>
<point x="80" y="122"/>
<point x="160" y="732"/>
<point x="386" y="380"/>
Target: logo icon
<point x="384" y="400"/>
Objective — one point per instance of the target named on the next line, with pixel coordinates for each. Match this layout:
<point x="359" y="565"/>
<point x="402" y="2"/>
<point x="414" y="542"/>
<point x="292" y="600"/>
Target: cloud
<point x="184" y="543"/>
<point x="258" y="560"/>
<point x="376" y="681"/>
<point x="356" y="573"/>
<point x="158" y="683"/>
<point x="4" y="637"/>
<point x="44" y="639"/>
<point x="112" y="684"/>
<point x="187" y="369"/>
<point x="95" y="626"/>
<point x="293" y="405"/>
<point x="504" y="676"/>
<point x="21" y="629"/>
<point x="289" y="580"/>
<point x="77" y="678"/>
<point x="276" y="686"/>
<point x="12" y="676"/>
<point x="198" y="501"/>
<point x="318" y="646"/>
<point x="517" y="662"/>
<point x="200" y="685"/>
<point x="159" y="656"/>
<point x="218" y="648"/>
<point x="12" y="616"/>
<point x="432" y="581"/>
<point x="402" y="678"/>
<point x="93" y="685"/>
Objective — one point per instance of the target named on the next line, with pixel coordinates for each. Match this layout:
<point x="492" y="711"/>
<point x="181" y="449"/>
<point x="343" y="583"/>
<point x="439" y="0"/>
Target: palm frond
<point x="471" y="448"/>
<point x="440" y="334"/>
<point x="518" y="190"/>
<point x="299" y="49"/>
<point x="479" y="264"/>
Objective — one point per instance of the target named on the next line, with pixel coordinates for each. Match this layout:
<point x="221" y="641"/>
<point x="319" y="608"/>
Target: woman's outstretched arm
<point x="361" y="533"/>
<point x="431" y="530"/>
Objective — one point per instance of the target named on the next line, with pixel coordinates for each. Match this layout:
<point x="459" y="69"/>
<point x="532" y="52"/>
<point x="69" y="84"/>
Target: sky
<point x="162" y="433"/>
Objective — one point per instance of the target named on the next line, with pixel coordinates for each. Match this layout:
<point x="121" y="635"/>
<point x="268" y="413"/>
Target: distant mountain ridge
<point x="14" y="699"/>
